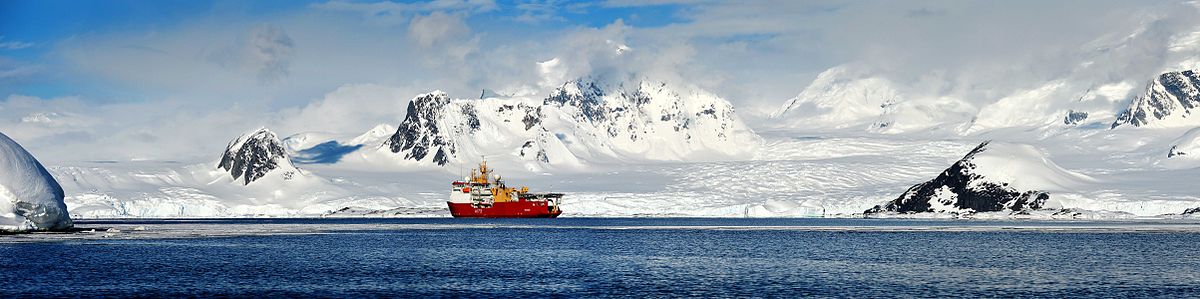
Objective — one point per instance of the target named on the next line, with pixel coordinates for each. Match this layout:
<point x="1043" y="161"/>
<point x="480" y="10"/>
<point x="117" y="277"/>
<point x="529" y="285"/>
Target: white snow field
<point x="1117" y="174"/>
<point x="30" y="199"/>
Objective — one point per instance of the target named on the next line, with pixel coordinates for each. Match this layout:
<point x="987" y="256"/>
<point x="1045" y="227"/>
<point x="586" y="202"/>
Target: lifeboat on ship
<point x="485" y="195"/>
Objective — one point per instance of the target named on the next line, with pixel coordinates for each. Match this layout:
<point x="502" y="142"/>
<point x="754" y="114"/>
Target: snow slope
<point x="848" y="96"/>
<point x="1185" y="150"/>
<point x="995" y="176"/>
<point x="788" y="176"/>
<point x="30" y="198"/>
<point x="254" y="177"/>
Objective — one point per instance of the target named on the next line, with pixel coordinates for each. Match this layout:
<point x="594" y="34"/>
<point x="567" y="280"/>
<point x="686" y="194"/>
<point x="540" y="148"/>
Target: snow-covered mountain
<point x="1096" y="85"/>
<point x="854" y="97"/>
<point x="841" y="97"/>
<point x="256" y="154"/>
<point x="993" y="177"/>
<point x="582" y="120"/>
<point x="1168" y="101"/>
<point x="376" y="136"/>
<point x="30" y="198"/>
<point x="429" y="126"/>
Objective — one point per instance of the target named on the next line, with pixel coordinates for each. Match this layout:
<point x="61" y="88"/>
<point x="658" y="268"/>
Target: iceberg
<point x="30" y="198"/>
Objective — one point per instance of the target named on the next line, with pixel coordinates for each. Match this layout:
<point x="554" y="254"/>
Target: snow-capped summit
<point x="583" y="119"/>
<point x="993" y="177"/>
<point x="646" y="120"/>
<point x="842" y="97"/>
<point x="855" y="96"/>
<point x="1168" y="101"/>
<point x="30" y="198"/>
<point x="254" y="155"/>
<point x="375" y="136"/>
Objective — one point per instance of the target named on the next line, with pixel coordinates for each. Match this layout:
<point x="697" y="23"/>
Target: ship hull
<point x="512" y="209"/>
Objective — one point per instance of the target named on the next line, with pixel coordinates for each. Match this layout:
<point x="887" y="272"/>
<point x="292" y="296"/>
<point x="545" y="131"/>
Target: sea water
<point x="610" y="258"/>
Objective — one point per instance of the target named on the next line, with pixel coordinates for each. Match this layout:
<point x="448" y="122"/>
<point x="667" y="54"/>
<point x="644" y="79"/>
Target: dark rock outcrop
<point x="961" y="188"/>
<point x="1074" y="117"/>
<point x="1175" y="152"/>
<point x="420" y="135"/>
<point x="252" y="156"/>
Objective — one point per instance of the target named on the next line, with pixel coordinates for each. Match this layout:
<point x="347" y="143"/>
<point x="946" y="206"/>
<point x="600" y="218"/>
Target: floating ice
<point x="30" y="198"/>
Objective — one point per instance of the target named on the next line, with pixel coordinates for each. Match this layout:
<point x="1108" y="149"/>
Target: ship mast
<point x="483" y="172"/>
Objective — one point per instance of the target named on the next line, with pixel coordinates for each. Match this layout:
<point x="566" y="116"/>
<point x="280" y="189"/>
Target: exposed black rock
<point x="1170" y="94"/>
<point x="533" y="117"/>
<point x="528" y="149"/>
<point x="966" y="190"/>
<point x="252" y="156"/>
<point x="588" y="100"/>
<point x="1175" y="152"/>
<point x="419" y="134"/>
<point x="1075" y="117"/>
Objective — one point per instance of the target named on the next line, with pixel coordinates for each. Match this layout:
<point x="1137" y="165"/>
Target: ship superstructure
<point x="484" y="194"/>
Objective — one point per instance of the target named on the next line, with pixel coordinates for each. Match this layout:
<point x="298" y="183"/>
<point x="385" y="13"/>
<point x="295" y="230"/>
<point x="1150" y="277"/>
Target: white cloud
<point x="17" y="71"/>
<point x="352" y="108"/>
<point x="438" y="29"/>
<point x="393" y="13"/>
<point x="553" y="72"/>
<point x="13" y="45"/>
<point x="270" y="50"/>
<point x="589" y="52"/>
<point x="637" y="3"/>
<point x="535" y="11"/>
<point x="70" y="129"/>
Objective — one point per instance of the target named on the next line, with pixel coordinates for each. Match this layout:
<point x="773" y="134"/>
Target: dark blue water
<point x="586" y="258"/>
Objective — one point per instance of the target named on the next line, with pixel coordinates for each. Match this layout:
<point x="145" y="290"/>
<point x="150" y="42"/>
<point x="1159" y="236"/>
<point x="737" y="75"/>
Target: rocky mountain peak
<point x="596" y="119"/>
<point x="420" y="135"/>
<point x="992" y="177"/>
<point x="253" y="155"/>
<point x="1169" y="100"/>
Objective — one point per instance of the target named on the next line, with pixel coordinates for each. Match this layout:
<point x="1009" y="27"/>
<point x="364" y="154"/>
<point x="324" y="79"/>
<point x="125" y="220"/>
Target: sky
<point x="98" y="80"/>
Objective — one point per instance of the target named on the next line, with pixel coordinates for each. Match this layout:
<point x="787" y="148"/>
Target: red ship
<point x="485" y="196"/>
